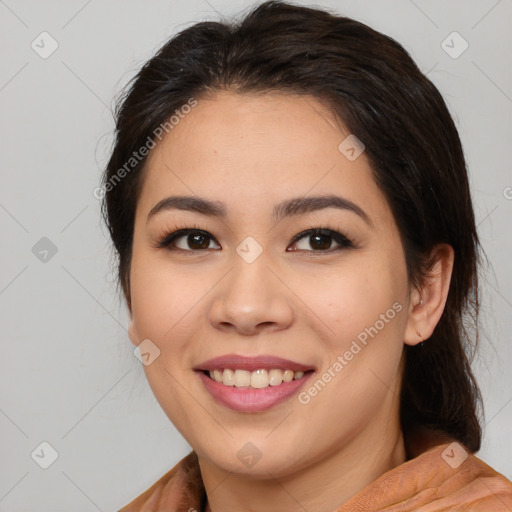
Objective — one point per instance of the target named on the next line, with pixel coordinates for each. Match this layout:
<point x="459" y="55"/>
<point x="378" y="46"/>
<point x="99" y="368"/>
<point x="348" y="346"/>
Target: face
<point x="323" y="285"/>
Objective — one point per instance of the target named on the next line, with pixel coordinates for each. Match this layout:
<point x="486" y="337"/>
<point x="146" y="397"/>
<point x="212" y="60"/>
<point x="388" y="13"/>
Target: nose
<point x="250" y="299"/>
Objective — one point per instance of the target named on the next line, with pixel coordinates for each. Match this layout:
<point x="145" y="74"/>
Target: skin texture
<point x="308" y="304"/>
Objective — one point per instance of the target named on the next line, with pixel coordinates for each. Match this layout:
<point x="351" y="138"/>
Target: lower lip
<point x="247" y="399"/>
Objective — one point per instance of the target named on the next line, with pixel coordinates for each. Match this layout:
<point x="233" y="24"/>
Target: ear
<point x="427" y="304"/>
<point x="132" y="332"/>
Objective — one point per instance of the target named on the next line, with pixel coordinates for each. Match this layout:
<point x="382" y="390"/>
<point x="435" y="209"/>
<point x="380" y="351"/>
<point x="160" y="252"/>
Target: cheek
<point x="364" y="309"/>
<point x="162" y="296"/>
<point x="365" y="313"/>
<point x="163" y="303"/>
<point x="352" y="299"/>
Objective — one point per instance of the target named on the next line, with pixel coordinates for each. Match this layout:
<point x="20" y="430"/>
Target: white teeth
<point x="258" y="379"/>
<point x="228" y="378"/>
<point x="242" y="378"/>
<point x="287" y="376"/>
<point x="275" y="377"/>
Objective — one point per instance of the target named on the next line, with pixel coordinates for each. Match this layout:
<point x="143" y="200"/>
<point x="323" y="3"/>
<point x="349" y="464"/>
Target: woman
<point x="297" y="247"/>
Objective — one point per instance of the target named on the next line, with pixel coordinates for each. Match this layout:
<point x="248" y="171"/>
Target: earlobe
<point x="428" y="302"/>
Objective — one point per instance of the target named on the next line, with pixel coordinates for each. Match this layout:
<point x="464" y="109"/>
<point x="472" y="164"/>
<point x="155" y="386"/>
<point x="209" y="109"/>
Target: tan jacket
<point x="440" y="475"/>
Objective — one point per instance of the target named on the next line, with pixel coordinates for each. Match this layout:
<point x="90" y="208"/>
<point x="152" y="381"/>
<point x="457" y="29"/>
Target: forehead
<point x="249" y="150"/>
<point x="227" y="125"/>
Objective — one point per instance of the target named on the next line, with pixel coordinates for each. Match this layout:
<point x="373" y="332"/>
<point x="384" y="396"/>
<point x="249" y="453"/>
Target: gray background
<point x="68" y="373"/>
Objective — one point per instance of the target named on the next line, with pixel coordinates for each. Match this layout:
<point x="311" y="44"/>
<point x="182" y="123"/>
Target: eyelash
<point x="180" y="231"/>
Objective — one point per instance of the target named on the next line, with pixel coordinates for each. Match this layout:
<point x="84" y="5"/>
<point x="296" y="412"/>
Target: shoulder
<point x="451" y="477"/>
<point x="445" y="477"/>
<point x="486" y="489"/>
<point x="179" y="489"/>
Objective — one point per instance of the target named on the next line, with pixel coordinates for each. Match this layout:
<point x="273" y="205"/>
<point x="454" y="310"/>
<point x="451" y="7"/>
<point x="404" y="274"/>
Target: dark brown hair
<point x="371" y="83"/>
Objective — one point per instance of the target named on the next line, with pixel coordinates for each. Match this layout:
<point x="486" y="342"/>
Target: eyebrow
<point x="289" y="207"/>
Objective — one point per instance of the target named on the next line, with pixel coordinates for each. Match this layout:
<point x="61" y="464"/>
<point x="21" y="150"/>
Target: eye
<point x="321" y="240"/>
<point x="193" y="239"/>
<point x="188" y="239"/>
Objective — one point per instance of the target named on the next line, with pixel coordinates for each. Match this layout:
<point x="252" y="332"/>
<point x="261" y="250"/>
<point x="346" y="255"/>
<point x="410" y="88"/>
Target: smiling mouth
<point x="253" y="392"/>
<point x="258" y="379"/>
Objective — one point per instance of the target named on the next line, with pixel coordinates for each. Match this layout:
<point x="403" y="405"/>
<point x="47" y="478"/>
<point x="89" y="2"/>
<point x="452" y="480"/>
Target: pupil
<point x="198" y="241"/>
<point x="325" y="245"/>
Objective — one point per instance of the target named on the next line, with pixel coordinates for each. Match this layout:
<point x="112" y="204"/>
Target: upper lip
<point x="234" y="361"/>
